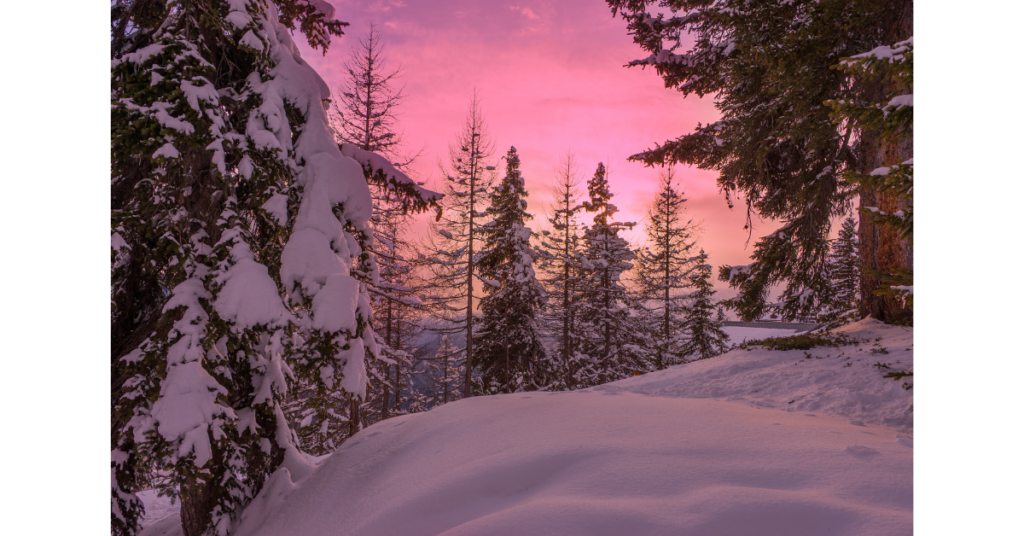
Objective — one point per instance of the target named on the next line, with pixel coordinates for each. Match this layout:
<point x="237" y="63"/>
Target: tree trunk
<point x="353" y="417"/>
<point x="196" y="508"/>
<point x="467" y="389"/>
<point x="881" y="248"/>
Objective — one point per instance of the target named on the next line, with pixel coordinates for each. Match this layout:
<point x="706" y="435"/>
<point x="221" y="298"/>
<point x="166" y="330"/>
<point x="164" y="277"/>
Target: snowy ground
<point x="749" y="443"/>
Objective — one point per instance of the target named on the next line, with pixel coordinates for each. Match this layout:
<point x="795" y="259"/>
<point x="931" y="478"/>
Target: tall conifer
<point x="508" y="343"/>
<point x="772" y="66"/>
<point x="705" y="337"/>
<point x="844" y="276"/>
<point x="454" y="242"/>
<point x="240" y="251"/>
<point x="662" y="269"/>
<point x="559" y="261"/>
<point x="607" y="340"/>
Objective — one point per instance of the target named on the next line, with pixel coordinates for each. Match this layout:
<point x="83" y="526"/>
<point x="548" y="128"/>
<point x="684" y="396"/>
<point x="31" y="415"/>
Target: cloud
<point x="525" y="11"/>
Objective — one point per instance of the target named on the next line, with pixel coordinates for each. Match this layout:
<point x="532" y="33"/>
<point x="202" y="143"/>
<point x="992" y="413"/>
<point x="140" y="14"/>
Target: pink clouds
<point x="550" y="79"/>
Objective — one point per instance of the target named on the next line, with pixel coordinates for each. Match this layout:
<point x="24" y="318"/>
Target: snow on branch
<point x="384" y="173"/>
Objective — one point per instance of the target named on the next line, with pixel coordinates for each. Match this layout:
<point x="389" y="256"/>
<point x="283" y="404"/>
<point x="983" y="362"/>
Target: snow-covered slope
<point x="846" y="381"/>
<point x="713" y="447"/>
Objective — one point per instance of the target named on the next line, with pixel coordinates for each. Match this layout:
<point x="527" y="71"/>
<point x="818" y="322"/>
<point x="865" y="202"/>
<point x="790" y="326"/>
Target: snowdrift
<point x="756" y="442"/>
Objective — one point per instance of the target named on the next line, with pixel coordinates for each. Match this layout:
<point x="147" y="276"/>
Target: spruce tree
<point x="662" y="270"/>
<point x="454" y="240"/>
<point x="240" y="237"/>
<point x="508" y="341"/>
<point x="559" y="261"/>
<point x="705" y="337"/>
<point x="772" y="68"/>
<point x="608" y="344"/>
<point x="844" y="276"/>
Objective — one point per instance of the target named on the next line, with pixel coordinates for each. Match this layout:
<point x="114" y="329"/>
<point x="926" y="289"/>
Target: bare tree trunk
<point x="398" y="366"/>
<point x="387" y="368"/>
<point x="353" y="417"/>
<point x="882" y="249"/>
<point x="196" y="508"/>
<point x="566" y="350"/>
<point x="662" y="353"/>
<point x="467" y="391"/>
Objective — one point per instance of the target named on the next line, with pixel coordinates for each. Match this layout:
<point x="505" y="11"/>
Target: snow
<point x="754" y="442"/>
<point x="277" y="205"/>
<point x="238" y="19"/>
<point x="166" y="150"/>
<point x="250" y="40"/>
<point x="374" y="163"/>
<point x="334" y="306"/>
<point x="249" y="296"/>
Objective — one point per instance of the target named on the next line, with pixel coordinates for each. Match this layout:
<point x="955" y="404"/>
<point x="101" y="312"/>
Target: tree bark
<point x="196" y="507"/>
<point x="881" y="248"/>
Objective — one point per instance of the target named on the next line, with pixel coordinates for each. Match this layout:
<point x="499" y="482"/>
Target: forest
<point x="281" y="280"/>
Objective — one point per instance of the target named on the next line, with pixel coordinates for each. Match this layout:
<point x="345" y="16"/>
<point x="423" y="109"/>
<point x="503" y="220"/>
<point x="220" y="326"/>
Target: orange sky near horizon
<point x="550" y="79"/>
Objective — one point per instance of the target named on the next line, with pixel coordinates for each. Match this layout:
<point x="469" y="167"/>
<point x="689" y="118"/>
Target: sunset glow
<point x="550" y="79"/>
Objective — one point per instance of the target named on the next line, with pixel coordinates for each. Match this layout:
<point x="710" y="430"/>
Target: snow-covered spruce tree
<point x="844" y="277"/>
<point x="508" y="341"/>
<point x="239" y="233"/>
<point x="661" y="273"/>
<point x="887" y="201"/>
<point x="607" y="342"/>
<point x="770" y="66"/>
<point x="705" y="337"/>
<point x="452" y="246"/>
<point x="559" y="262"/>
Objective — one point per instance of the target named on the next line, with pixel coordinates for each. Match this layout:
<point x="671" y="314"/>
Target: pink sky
<point x="550" y="79"/>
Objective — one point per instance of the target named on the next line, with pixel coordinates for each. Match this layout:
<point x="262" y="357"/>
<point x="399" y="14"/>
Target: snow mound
<point x="847" y="381"/>
<point x="656" y="454"/>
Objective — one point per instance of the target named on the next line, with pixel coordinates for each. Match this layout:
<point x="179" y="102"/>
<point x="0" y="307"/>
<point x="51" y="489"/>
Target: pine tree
<point x="607" y="342"/>
<point x="844" y="276"/>
<point x="508" y="342"/>
<point x="240" y="242"/>
<point x="662" y="269"/>
<point x="770" y="65"/>
<point x="705" y="336"/>
<point x="559" y="261"/>
<point x="454" y="239"/>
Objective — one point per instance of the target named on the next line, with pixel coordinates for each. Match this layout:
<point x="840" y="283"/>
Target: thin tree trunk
<point x="662" y="353"/>
<point x="398" y="365"/>
<point x="387" y="367"/>
<point x="467" y="390"/>
<point x="565" y="294"/>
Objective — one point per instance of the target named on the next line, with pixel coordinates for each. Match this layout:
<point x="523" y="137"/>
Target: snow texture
<point x="249" y="296"/>
<point x="374" y="162"/>
<point x="711" y="447"/>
